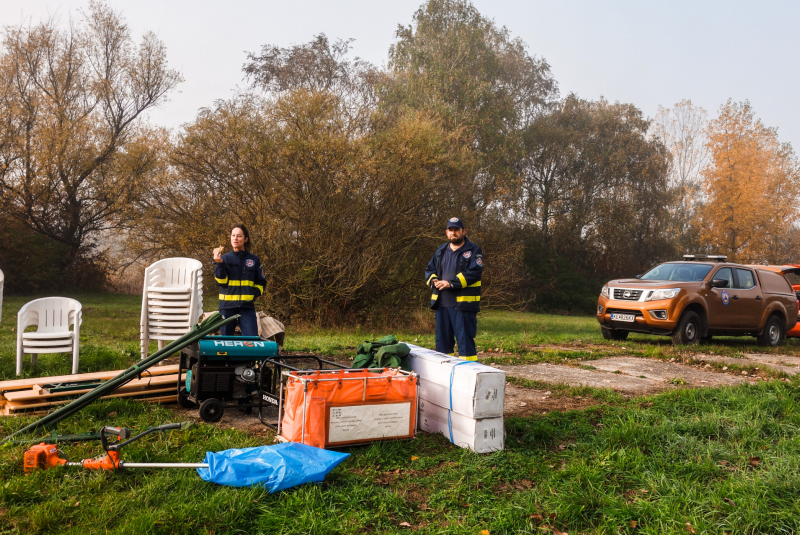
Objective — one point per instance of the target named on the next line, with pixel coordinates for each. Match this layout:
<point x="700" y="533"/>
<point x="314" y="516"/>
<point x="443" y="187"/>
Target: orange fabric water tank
<point x="345" y="407"/>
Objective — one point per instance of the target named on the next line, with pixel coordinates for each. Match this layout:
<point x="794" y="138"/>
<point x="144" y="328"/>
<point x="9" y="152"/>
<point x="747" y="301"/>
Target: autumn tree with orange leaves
<point x="750" y="189"/>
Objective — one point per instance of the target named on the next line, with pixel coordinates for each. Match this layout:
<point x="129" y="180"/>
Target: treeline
<point x="346" y="173"/>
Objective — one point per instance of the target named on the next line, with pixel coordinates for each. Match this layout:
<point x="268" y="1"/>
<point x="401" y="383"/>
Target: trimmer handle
<point x="125" y="433"/>
<point x="120" y="432"/>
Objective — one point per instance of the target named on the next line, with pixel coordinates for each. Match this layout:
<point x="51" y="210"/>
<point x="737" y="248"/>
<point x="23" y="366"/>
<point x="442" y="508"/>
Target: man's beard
<point x="457" y="241"/>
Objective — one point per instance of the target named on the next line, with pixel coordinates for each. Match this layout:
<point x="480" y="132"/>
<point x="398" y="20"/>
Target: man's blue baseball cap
<point x="454" y="222"/>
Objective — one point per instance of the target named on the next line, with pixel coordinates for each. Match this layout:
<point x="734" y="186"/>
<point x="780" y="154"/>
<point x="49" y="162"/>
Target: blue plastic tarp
<point x="275" y="467"/>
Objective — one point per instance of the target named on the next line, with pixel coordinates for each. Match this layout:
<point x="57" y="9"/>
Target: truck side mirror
<point x="719" y="283"/>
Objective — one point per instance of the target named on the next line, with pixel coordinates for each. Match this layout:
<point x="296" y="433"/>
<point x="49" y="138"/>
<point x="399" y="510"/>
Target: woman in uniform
<point x="240" y="278"/>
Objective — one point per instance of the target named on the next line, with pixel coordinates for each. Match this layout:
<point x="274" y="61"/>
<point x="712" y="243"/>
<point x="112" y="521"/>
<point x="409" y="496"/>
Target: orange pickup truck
<point x="698" y="298"/>
<point x="792" y="274"/>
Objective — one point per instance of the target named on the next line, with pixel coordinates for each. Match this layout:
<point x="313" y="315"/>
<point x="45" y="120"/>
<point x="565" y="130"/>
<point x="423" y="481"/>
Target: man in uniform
<point x="454" y="275"/>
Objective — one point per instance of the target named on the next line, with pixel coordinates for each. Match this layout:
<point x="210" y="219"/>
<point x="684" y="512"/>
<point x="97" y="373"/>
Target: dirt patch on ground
<point x="232" y="418"/>
<point x="666" y="373"/>
<point x="521" y="401"/>
<point x="570" y="375"/>
<point x="629" y="375"/>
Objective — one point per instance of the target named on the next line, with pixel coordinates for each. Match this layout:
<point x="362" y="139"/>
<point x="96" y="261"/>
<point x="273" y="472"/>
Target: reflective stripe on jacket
<point x="467" y="282"/>
<point x="240" y="278"/>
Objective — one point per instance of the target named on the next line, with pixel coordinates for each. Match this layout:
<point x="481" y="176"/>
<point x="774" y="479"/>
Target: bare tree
<point x="682" y="129"/>
<point x="74" y="152"/>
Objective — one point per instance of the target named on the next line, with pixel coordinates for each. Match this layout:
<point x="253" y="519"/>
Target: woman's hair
<point x="246" y="235"/>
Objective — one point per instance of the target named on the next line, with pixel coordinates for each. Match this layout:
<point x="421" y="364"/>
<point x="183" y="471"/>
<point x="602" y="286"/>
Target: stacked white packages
<point x="476" y="395"/>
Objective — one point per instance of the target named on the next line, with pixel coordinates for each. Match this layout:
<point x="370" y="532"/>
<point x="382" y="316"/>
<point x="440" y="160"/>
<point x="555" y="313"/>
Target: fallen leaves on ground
<point x="689" y="528"/>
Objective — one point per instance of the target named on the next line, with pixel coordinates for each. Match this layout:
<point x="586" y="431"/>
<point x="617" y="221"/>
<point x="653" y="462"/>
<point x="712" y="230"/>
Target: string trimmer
<point x="44" y="456"/>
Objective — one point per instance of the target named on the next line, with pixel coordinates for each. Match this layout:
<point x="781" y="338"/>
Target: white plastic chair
<point x="172" y="300"/>
<point x="52" y="317"/>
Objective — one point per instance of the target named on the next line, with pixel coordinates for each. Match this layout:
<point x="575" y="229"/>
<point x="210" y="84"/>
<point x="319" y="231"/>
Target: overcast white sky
<point x="644" y="52"/>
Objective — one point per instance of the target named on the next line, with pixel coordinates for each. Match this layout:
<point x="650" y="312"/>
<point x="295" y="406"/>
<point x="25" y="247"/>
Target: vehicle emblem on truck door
<point x="726" y="297"/>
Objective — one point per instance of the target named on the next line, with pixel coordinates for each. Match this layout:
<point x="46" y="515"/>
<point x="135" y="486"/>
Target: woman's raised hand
<point x="218" y="254"/>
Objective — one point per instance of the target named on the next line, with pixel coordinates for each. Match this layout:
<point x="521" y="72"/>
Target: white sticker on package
<point x="365" y="422"/>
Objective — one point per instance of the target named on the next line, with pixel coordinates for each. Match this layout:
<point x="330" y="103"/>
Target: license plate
<point x="623" y="317"/>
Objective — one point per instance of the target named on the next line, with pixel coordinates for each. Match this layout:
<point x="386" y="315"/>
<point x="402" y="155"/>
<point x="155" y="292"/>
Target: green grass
<point x="724" y="460"/>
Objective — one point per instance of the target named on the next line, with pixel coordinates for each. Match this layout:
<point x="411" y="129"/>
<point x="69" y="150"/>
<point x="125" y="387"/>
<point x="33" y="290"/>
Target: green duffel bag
<point x="382" y="353"/>
<point x="392" y="356"/>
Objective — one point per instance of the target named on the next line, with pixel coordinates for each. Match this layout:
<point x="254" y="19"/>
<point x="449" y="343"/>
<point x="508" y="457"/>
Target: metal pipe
<point x="123" y="464"/>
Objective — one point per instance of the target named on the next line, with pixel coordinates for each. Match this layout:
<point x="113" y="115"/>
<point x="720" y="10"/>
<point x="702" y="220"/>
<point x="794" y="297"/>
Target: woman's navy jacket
<point x="240" y="278"/>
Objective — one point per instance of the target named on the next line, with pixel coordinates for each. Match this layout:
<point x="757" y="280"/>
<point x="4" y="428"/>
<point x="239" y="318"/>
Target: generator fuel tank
<point x="236" y="348"/>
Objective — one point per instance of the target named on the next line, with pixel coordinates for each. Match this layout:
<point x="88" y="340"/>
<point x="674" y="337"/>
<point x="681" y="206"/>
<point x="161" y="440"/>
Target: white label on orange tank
<point x="367" y="422"/>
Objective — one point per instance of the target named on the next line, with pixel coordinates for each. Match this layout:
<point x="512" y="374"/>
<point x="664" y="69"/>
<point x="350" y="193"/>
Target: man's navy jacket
<point x="467" y="282"/>
<point x="240" y="279"/>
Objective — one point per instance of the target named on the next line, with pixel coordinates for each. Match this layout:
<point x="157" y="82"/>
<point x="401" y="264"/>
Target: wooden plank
<point x="22" y="405"/>
<point x="22" y="384"/>
<point x="44" y="410"/>
<point x="40" y="393"/>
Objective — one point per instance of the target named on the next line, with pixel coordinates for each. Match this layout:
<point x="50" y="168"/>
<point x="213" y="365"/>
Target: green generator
<point x="222" y="371"/>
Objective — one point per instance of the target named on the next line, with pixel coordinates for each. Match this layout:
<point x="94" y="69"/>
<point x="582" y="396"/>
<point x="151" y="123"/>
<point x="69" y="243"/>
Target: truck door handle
<point x="736" y="297"/>
<point x="758" y="298"/>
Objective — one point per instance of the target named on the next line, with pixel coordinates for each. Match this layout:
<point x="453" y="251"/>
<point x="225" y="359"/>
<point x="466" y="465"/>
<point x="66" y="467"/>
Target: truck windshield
<point x="683" y="272"/>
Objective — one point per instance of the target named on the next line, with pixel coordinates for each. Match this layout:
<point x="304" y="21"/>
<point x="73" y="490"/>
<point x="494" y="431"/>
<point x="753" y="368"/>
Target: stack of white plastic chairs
<point x="172" y="300"/>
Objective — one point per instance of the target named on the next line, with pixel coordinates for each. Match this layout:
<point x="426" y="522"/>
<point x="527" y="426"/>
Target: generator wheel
<point x="211" y="410"/>
<point x="183" y="400"/>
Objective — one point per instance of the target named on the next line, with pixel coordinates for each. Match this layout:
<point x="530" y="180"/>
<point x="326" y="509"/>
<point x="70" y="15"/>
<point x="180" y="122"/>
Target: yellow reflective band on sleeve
<point x="260" y="288"/>
<point x="223" y="297"/>
<point x="241" y="283"/>
<point x="468" y="298"/>
<point x="473" y="357"/>
<point x="433" y="276"/>
<point x="474" y="285"/>
<point x="434" y="297"/>
<point x="462" y="279"/>
<point x="221" y="281"/>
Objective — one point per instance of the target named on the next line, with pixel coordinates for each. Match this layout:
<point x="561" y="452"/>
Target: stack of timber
<point x="40" y="394"/>
<point x="461" y="400"/>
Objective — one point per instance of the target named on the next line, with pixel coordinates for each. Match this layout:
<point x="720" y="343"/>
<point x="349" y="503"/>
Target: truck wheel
<point x="613" y="334"/>
<point x="774" y="333"/>
<point x="211" y="410"/>
<point x="688" y="330"/>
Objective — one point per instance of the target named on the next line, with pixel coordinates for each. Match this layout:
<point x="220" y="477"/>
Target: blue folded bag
<point x="276" y="467"/>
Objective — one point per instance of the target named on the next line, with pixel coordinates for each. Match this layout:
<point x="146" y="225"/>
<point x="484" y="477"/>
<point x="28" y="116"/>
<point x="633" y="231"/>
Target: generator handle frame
<point x="280" y="366"/>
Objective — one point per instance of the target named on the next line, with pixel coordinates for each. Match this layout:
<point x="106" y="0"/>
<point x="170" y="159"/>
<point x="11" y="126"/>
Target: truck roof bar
<point x="706" y="257"/>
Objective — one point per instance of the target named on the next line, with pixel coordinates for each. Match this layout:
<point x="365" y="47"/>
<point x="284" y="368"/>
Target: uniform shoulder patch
<point x="249" y="262"/>
<point x="479" y="261"/>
